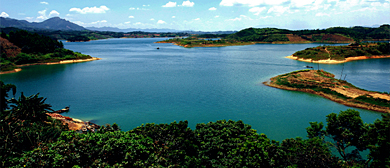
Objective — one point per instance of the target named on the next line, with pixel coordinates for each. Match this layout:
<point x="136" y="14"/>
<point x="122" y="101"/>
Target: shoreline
<point x="74" y="124"/>
<point x="50" y="63"/>
<point x="329" y="61"/>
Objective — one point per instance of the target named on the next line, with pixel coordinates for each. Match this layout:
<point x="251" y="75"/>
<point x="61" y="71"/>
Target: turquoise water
<point x="135" y="83"/>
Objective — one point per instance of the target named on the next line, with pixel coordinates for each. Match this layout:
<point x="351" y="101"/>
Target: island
<point x="23" y="48"/>
<point x="341" y="54"/>
<point x="324" y="84"/>
<point x="251" y="36"/>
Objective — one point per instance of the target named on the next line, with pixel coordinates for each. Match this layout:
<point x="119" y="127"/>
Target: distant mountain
<point x="114" y="29"/>
<point x="54" y="23"/>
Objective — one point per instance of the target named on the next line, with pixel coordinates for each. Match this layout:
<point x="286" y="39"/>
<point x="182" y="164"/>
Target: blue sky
<point x="204" y="15"/>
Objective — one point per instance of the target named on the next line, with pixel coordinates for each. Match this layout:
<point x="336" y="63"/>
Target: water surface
<point x="135" y="83"/>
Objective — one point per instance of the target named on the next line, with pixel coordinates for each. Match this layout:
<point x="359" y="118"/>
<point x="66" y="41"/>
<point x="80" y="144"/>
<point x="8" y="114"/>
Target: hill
<point x="329" y="35"/>
<point x="54" y="23"/>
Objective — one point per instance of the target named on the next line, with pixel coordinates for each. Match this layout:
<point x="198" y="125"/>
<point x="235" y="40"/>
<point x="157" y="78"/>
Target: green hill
<point x="333" y="35"/>
<point x="22" y="47"/>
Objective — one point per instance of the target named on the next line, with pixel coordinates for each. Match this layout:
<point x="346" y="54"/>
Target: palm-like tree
<point x="30" y="108"/>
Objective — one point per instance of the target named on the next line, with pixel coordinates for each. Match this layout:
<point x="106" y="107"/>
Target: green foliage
<point x="77" y="38"/>
<point x="315" y="130"/>
<point x="5" y="88"/>
<point x="36" y="49"/>
<point x="235" y="144"/>
<point x="380" y="142"/>
<point x="347" y="129"/>
<point x="25" y="126"/>
<point x="306" y="153"/>
<point x="34" y="43"/>
<point x="342" y="52"/>
<point x="372" y="100"/>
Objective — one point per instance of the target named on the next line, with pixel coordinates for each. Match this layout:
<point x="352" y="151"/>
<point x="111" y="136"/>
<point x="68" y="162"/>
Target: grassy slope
<point x="324" y="84"/>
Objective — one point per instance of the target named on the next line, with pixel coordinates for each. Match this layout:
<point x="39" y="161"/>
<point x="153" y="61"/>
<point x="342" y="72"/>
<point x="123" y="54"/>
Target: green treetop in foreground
<point x="29" y="140"/>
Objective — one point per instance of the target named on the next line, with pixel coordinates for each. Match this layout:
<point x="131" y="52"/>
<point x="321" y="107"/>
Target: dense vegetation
<point x="335" y="34"/>
<point x="342" y="52"/>
<point x="29" y="138"/>
<point x="23" y="47"/>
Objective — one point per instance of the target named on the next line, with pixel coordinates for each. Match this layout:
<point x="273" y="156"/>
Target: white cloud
<point x="45" y="3"/>
<point x="197" y="19"/>
<point x="145" y="5"/>
<point x="278" y="10"/>
<point x="257" y="10"/>
<point x="188" y="3"/>
<point x="161" y="22"/>
<point x="322" y="14"/>
<point x="364" y="9"/>
<point x="170" y="4"/>
<point x="100" y="21"/>
<point x="138" y="23"/>
<point x="3" y="14"/>
<point x="300" y="3"/>
<point x="42" y="14"/>
<point x="212" y="8"/>
<point x="127" y="22"/>
<point x="131" y="8"/>
<point x="152" y="19"/>
<point x="79" y="22"/>
<point x="53" y="13"/>
<point x="240" y="18"/>
<point x="101" y="9"/>
<point x="216" y="16"/>
<point x="29" y="18"/>
<point x="251" y="3"/>
<point x="131" y="17"/>
<point x="173" y="16"/>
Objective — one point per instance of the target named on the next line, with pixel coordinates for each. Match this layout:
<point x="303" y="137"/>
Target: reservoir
<point x="134" y="83"/>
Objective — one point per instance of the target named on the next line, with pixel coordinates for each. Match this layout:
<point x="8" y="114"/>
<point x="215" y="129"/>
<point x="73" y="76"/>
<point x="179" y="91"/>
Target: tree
<point x="347" y="130"/>
<point x="31" y="108"/>
<point x="5" y="88"/>
<point x="379" y="134"/>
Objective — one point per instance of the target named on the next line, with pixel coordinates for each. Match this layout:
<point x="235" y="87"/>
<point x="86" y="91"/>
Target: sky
<point x="204" y="15"/>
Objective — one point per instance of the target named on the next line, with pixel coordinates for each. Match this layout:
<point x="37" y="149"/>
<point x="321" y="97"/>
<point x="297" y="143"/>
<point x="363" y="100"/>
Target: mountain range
<point x="54" y="23"/>
<point x="57" y="23"/>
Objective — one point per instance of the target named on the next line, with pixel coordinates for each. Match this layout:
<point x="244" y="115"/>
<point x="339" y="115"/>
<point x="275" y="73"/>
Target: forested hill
<point x="334" y="34"/>
<point x="23" y="47"/>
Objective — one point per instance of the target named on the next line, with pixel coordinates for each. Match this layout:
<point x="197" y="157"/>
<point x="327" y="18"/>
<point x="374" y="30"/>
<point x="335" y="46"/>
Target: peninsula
<point x="323" y="83"/>
<point x="341" y="54"/>
<point x="22" y="48"/>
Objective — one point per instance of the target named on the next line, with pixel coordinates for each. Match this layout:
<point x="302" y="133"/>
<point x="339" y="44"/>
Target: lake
<point x="135" y="83"/>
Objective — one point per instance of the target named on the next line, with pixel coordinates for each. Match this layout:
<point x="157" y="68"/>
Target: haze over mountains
<point x="57" y="23"/>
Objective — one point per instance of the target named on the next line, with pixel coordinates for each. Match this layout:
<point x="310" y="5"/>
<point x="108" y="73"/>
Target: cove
<point x="134" y="83"/>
